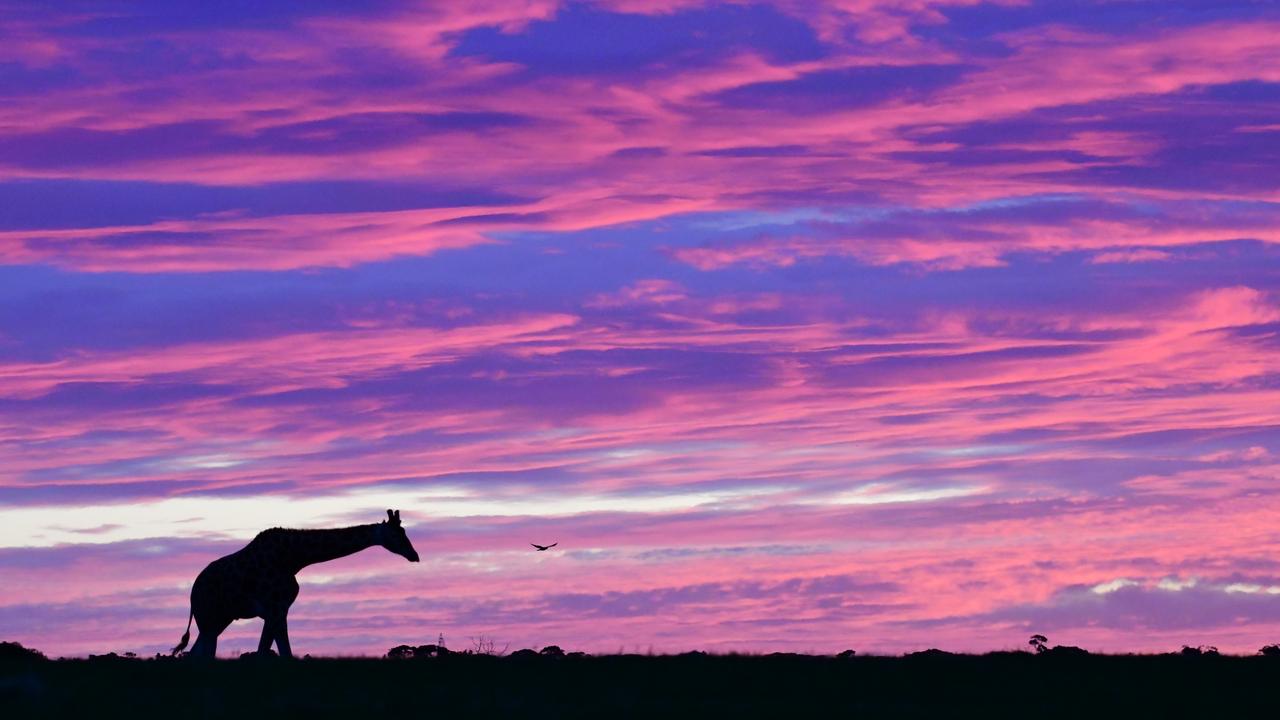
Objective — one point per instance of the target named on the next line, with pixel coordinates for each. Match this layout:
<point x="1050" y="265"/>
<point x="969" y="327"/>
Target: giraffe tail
<point x="186" y="635"/>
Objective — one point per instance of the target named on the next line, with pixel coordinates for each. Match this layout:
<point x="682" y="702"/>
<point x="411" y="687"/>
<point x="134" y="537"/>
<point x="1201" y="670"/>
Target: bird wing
<point x="554" y="544"/>
<point x="537" y="546"/>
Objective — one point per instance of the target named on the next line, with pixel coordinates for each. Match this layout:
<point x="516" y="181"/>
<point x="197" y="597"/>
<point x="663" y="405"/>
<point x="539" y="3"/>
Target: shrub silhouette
<point x="1270" y="651"/>
<point x="846" y="654"/>
<point x="523" y="653"/>
<point x="15" y="651"/>
<point x="408" y="652"/>
<point x="551" y="651"/>
<point x="1201" y="651"/>
<point x="113" y="657"/>
<point x="929" y="654"/>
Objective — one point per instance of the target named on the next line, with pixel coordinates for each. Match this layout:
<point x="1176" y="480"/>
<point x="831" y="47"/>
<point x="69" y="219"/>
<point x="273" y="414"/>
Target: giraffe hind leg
<point x="206" y="646"/>
<point x="207" y="641"/>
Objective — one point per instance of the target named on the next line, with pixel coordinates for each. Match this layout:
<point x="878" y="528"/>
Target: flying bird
<point x="545" y="547"/>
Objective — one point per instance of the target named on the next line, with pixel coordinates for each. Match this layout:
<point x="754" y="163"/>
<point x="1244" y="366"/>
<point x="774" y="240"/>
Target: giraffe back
<point x="249" y="582"/>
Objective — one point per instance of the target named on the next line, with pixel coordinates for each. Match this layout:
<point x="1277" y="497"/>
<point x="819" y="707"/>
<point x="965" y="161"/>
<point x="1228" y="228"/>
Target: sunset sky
<point x="801" y="326"/>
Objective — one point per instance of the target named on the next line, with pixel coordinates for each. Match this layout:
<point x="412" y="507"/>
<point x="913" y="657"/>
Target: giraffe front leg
<point x="268" y="634"/>
<point x="282" y="637"/>
<point x="275" y="629"/>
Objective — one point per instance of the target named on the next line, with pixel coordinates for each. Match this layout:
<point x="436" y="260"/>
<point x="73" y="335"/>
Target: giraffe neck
<point x="308" y="547"/>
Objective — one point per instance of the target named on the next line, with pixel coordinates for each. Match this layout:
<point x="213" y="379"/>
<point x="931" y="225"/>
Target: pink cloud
<point x="574" y="143"/>
<point x="644" y="292"/>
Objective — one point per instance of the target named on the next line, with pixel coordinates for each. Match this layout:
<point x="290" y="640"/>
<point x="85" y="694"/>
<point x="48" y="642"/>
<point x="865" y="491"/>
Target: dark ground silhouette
<point x="548" y="684"/>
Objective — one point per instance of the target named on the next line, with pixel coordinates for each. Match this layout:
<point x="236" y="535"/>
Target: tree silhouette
<point x="1201" y="651"/>
<point x="1039" y="642"/>
<point x="484" y="645"/>
<point x="400" y="652"/>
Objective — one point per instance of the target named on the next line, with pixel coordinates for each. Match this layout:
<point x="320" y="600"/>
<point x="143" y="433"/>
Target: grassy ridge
<point x="1002" y="685"/>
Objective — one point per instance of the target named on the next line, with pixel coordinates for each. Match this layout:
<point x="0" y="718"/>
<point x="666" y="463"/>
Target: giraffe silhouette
<point x="258" y="579"/>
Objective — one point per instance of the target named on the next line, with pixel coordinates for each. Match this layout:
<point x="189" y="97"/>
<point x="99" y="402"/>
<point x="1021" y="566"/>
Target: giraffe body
<point x="257" y="581"/>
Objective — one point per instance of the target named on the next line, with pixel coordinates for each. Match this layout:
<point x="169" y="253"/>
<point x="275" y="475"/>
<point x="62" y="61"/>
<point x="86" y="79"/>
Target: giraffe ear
<point x="396" y="517"/>
<point x="390" y="516"/>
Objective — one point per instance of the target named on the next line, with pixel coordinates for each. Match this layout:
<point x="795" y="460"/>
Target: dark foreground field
<point x="1004" y="685"/>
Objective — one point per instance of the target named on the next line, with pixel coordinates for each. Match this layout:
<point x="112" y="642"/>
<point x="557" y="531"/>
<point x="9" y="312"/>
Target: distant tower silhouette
<point x="258" y="580"/>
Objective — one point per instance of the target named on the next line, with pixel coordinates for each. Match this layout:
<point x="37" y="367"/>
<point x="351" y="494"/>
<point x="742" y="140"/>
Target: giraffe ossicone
<point x="257" y="581"/>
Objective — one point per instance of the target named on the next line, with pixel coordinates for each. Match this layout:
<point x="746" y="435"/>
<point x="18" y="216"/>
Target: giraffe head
<point x="391" y="536"/>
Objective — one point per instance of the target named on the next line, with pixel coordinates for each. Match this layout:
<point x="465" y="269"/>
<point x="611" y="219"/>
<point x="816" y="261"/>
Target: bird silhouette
<point x="545" y="547"/>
